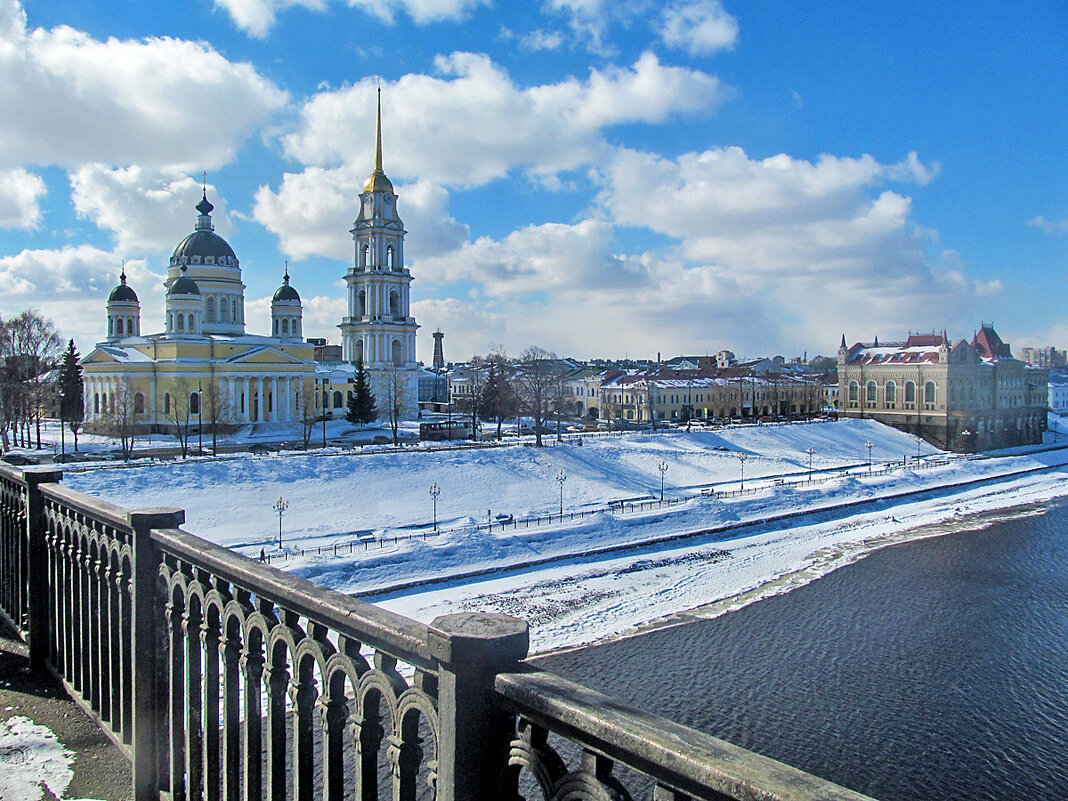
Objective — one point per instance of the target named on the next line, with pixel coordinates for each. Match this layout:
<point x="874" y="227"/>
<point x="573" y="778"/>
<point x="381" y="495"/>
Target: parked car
<point x="19" y="459"/>
<point x="260" y="447"/>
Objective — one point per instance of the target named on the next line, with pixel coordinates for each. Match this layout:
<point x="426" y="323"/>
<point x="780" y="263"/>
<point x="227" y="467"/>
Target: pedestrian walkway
<point x="49" y="748"/>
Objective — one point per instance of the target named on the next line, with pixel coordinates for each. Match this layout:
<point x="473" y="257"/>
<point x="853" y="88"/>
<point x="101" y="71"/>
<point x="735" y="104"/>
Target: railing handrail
<point x="101" y="510"/>
<point x="672" y="754"/>
<point x="398" y="635"/>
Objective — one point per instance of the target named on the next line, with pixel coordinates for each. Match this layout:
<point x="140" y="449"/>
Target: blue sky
<point x="600" y="178"/>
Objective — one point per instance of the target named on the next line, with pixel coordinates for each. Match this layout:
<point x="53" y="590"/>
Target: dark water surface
<point x="934" y="669"/>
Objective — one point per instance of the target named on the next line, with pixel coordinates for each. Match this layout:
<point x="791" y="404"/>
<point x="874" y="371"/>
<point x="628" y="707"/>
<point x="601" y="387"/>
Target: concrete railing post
<point x="38" y="623"/>
<point x="474" y="733"/>
<point x="145" y="658"/>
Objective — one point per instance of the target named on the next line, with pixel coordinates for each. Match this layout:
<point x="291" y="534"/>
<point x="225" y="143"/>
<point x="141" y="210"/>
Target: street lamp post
<point x="561" y="477"/>
<point x="435" y="491"/>
<point x="869" y="445"/>
<point x="662" y="467"/>
<point x="200" y="419"/>
<point x="811" y="452"/>
<point x="280" y="507"/>
<point x="741" y="463"/>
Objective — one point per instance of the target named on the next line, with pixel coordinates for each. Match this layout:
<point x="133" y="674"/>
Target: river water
<point x="932" y="670"/>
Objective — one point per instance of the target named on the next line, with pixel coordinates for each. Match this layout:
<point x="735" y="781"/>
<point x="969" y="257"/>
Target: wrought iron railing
<point x="222" y="678"/>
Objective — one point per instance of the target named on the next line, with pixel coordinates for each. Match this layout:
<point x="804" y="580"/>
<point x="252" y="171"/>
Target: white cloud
<point x="20" y="195"/>
<point x="470" y="124"/>
<point x="70" y="286"/>
<point x="155" y="102"/>
<point x="313" y="211"/>
<point x="699" y="27"/>
<point x="257" y="17"/>
<point x="145" y="209"/>
<point x="1049" y="226"/>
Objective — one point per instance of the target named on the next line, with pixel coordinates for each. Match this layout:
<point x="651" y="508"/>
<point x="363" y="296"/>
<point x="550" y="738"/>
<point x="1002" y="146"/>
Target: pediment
<point x="264" y="355"/>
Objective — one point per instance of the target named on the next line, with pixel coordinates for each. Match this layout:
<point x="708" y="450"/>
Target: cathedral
<point x="205" y="370"/>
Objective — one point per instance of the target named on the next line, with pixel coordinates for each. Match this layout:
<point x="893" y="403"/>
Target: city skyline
<point x="601" y="179"/>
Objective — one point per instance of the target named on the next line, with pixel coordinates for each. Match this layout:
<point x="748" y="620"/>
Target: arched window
<point x="285" y="327"/>
<point x="929" y="392"/>
<point x="359" y="350"/>
<point x="181" y="323"/>
<point x="270" y="401"/>
<point x="398" y="353"/>
<point x="276" y="327"/>
<point x="361" y="303"/>
<point x="910" y="392"/>
<point x="139" y="403"/>
<point x="854" y="391"/>
<point x="389" y="257"/>
<point x="891" y="392"/>
<point x="209" y="312"/>
<point x="872" y="393"/>
<point x="192" y="325"/>
<point x="365" y="252"/>
<point x="233" y="310"/>
<point x="104" y="402"/>
<point x="131" y="327"/>
<point x="96" y="403"/>
<point x="224" y="309"/>
<point x="394" y="303"/>
<point x="194" y="403"/>
<point x="111" y="326"/>
<point x="167" y="403"/>
<point x="337" y="399"/>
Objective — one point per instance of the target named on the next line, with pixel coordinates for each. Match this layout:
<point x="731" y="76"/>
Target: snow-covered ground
<point x="583" y="595"/>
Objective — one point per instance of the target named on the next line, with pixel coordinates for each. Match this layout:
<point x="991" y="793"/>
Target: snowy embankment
<point x="581" y="596"/>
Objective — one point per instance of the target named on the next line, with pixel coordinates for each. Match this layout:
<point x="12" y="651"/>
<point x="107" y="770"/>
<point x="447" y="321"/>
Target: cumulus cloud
<point x="470" y="123"/>
<point x="20" y="195"/>
<point x="81" y="100"/>
<point x="257" y="17"/>
<point x="312" y="212"/>
<point x="1049" y="226"/>
<point x="71" y="286"/>
<point x="145" y="209"/>
<point x="699" y="27"/>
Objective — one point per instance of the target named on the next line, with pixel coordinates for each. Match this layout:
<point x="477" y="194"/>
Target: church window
<point x="361" y="303"/>
<point x="891" y="392"/>
<point x="224" y="307"/>
<point x="854" y="390"/>
<point x="389" y="257"/>
<point x="181" y="323"/>
<point x="210" y="307"/>
<point x="192" y="324"/>
<point x="96" y="403"/>
<point x="139" y="403"/>
<point x="359" y="350"/>
<point x="104" y="402"/>
<point x="130" y="325"/>
<point x="276" y="327"/>
<point x="929" y="392"/>
<point x="394" y="303"/>
<point x="194" y="403"/>
<point x="910" y="392"/>
<point x="285" y="327"/>
<point x="325" y="400"/>
<point x="118" y="326"/>
<point x="167" y="403"/>
<point x="337" y="400"/>
<point x="233" y="310"/>
<point x="365" y="251"/>
<point x="872" y="394"/>
<point x="242" y="403"/>
<point x="270" y="401"/>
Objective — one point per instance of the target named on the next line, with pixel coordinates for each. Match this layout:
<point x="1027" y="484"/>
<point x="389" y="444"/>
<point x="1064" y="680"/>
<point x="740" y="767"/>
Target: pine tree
<point x="361" y="406"/>
<point x="71" y="392"/>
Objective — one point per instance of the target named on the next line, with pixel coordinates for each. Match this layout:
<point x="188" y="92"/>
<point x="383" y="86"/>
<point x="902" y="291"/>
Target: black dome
<point x="184" y="285"/>
<point x="202" y="243"/>
<point x="122" y="292"/>
<point x="286" y="292"/>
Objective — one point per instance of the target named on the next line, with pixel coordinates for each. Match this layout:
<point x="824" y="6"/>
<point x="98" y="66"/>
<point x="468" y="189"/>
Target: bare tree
<point x="219" y="412"/>
<point x="395" y="392"/>
<point x="122" y="417"/>
<point x="178" y="411"/>
<point x="30" y="348"/>
<point x="306" y="410"/>
<point x="536" y="384"/>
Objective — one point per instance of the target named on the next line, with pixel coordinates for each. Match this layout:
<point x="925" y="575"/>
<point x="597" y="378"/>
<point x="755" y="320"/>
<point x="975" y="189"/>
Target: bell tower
<point x="378" y="328"/>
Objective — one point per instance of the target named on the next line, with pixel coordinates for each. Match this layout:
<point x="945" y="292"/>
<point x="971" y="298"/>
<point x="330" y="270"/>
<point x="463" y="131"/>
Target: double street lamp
<point x="662" y="467"/>
<point x="435" y="491"/>
<point x="741" y="463"/>
<point x="869" y="445"/>
<point x="811" y="452"/>
<point x="561" y="477"/>
<point x="280" y="506"/>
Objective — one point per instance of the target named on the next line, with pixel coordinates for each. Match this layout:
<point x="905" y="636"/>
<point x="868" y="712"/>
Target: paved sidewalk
<point x="100" y="771"/>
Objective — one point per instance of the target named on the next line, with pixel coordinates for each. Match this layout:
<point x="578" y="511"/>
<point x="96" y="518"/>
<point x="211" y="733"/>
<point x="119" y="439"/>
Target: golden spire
<point x="378" y="182"/>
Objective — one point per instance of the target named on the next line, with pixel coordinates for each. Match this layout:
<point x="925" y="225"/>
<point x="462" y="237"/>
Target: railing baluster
<point x="210" y="635"/>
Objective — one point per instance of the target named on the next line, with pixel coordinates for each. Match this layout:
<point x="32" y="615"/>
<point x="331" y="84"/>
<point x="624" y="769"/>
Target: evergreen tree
<point x="361" y="406"/>
<point x="71" y="392"/>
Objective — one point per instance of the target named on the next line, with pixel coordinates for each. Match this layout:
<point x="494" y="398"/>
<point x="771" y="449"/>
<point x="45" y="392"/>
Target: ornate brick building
<point x="962" y="397"/>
